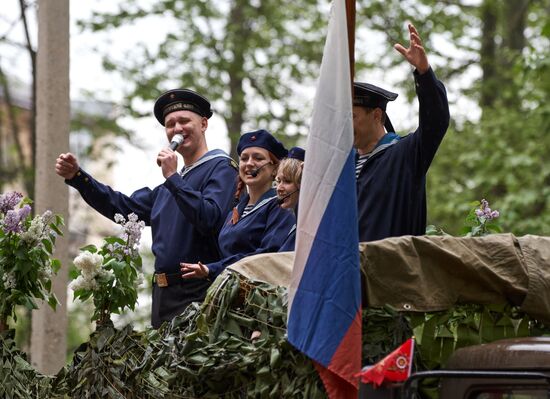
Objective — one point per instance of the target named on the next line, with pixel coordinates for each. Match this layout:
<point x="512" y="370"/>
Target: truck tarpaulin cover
<point x="430" y="273"/>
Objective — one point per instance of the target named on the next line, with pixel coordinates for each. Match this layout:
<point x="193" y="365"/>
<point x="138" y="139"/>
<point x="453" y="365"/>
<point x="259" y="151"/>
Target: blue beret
<point x="297" y="153"/>
<point x="181" y="100"/>
<point x="371" y="96"/>
<point x="263" y="139"/>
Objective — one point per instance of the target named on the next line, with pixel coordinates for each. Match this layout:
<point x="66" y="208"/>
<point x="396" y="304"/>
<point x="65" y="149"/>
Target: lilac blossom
<point x="88" y="263"/>
<point x="132" y="231"/>
<point x="9" y="200"/>
<point x="24" y="211"/>
<point x="35" y="233"/>
<point x="115" y="249"/>
<point x="9" y="280"/>
<point x="13" y="219"/>
<point x="105" y="274"/>
<point x="47" y="216"/>
<point x="83" y="283"/>
<point x="38" y="229"/>
<point x="485" y="212"/>
<point x="11" y="224"/>
<point x="45" y="272"/>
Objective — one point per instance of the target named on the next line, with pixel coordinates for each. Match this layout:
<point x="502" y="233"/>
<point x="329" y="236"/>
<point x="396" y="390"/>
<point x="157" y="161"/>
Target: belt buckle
<point x="161" y="280"/>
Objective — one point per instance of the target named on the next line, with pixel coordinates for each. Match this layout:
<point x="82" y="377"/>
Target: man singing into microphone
<point x="185" y="212"/>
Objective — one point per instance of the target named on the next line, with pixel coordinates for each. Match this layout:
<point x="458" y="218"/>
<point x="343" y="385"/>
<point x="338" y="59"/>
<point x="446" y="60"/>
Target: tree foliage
<point x="248" y="57"/>
<point x="492" y="56"/>
<point x="90" y="118"/>
<point x="251" y="57"/>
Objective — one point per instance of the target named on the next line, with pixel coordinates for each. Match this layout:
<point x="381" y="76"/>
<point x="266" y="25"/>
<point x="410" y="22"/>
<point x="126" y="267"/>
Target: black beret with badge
<point x="181" y="100"/>
<point x="371" y="96"/>
<point x="263" y="139"/>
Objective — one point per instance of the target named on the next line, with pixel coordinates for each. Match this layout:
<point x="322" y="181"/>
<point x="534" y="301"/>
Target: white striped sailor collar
<point x="292" y="230"/>
<point x="265" y="199"/>
<point x="205" y="158"/>
<point x="386" y="141"/>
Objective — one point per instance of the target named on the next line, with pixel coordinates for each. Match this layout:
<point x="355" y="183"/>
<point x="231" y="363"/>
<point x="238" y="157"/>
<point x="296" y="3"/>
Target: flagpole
<point x="350" y="17"/>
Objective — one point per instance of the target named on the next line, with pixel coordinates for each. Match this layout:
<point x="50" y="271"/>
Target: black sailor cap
<point x="371" y="96"/>
<point x="181" y="100"/>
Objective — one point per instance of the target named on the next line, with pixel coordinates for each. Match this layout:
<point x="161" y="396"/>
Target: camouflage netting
<point x="207" y="352"/>
<point x="233" y="345"/>
<point x="18" y="379"/>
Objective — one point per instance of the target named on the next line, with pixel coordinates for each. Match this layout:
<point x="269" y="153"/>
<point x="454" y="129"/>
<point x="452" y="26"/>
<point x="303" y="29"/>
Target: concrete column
<point x="49" y="328"/>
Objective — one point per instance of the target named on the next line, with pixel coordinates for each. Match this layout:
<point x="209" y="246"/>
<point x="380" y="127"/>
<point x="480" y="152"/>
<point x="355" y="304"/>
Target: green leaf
<point x="48" y="245"/>
<point x="56" y="229"/>
<point x="52" y="301"/>
<point x="56" y="265"/>
<point x="59" y="221"/>
<point x="114" y="240"/>
<point x="89" y="248"/>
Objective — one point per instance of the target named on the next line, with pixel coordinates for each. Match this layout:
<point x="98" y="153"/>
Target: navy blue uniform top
<point x="185" y="212"/>
<point x="263" y="229"/>
<point x="290" y="241"/>
<point x="391" y="187"/>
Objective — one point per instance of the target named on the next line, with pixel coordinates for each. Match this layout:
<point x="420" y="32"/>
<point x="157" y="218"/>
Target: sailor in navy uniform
<point x="257" y="224"/>
<point x="185" y="212"/>
<point x="391" y="170"/>
<point x="289" y="179"/>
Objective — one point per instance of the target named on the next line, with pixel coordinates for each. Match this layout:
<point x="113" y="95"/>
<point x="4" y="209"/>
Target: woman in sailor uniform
<point x="257" y="223"/>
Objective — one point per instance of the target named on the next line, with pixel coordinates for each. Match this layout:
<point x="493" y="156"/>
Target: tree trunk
<point x="514" y="21"/>
<point x="237" y="31"/>
<point x="12" y="120"/>
<point x="490" y="79"/>
<point x="49" y="328"/>
<point x="29" y="178"/>
<point x="515" y="18"/>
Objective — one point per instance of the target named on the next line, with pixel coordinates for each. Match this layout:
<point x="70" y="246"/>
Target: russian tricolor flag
<point x="324" y="319"/>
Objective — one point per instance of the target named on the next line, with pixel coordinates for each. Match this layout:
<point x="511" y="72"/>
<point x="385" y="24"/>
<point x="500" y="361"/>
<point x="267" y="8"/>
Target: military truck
<point x="459" y="297"/>
<point x="422" y="279"/>
<point x="516" y="368"/>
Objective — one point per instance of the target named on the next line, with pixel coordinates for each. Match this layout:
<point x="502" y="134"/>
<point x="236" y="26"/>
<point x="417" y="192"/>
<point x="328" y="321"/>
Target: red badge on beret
<point x="253" y="138"/>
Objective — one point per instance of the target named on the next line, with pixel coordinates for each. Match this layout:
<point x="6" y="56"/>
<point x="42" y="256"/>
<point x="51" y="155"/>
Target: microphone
<point x="177" y="140"/>
<point x="284" y="197"/>
<point x="255" y="172"/>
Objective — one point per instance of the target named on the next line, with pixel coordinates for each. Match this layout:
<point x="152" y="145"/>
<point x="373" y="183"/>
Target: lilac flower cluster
<point x="9" y="200"/>
<point x="112" y="287"/>
<point x="485" y="212"/>
<point x="132" y="231"/>
<point x="9" y="280"/>
<point x="89" y="265"/>
<point x="38" y="229"/>
<point x="45" y="272"/>
<point x="117" y="250"/>
<point x="25" y="241"/>
<point x="12" y="222"/>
